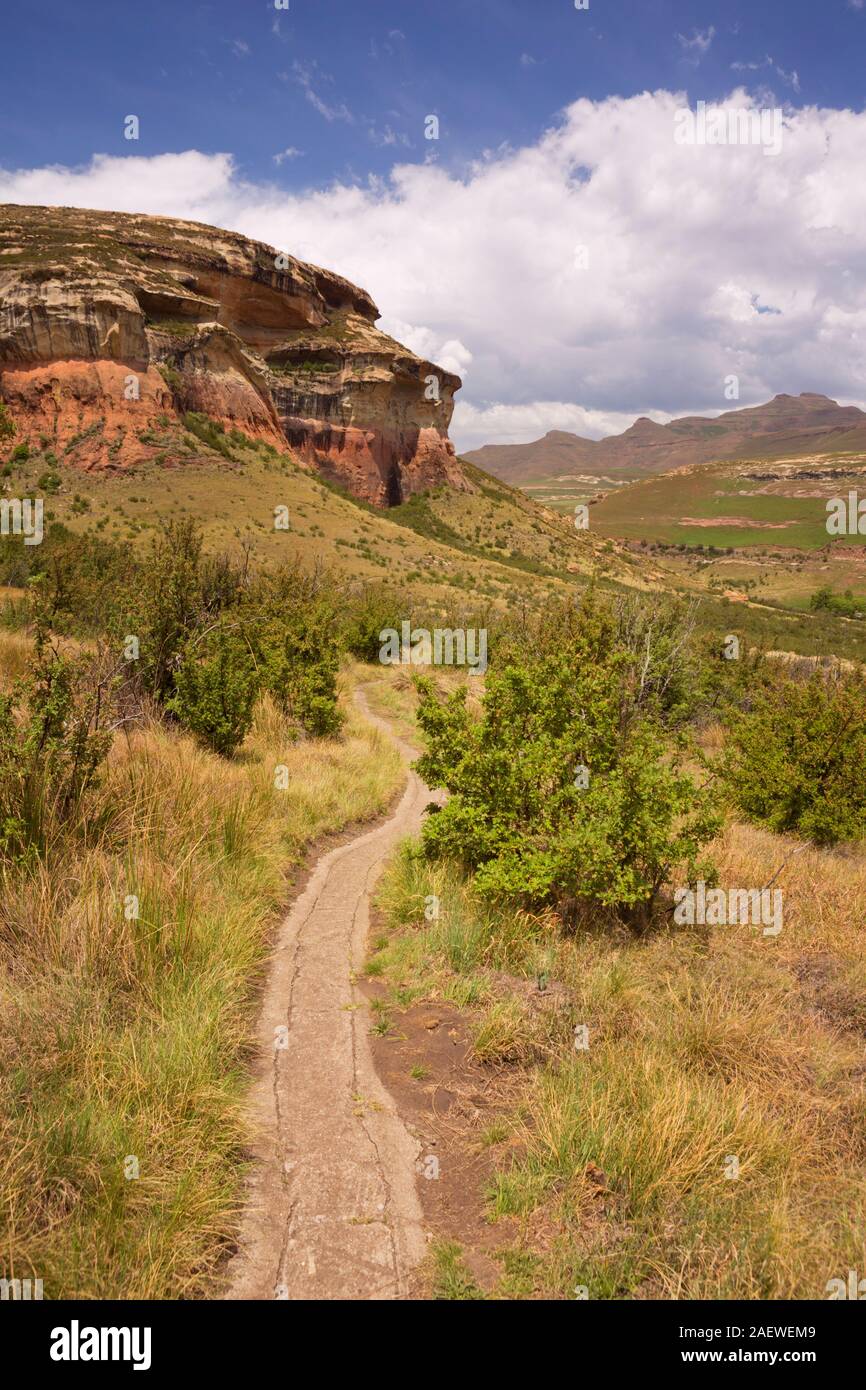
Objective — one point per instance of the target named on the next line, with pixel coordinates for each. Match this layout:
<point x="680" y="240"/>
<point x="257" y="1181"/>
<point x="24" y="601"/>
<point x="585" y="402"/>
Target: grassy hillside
<point x="752" y="534"/>
<point x="747" y="503"/>
<point x="445" y="549"/>
<point x="491" y="544"/>
<point x="564" y="492"/>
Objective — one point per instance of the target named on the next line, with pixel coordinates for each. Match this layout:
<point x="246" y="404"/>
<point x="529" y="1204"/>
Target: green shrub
<point x="290" y="620"/>
<point x="523" y="815"/>
<point x="847" y="604"/>
<point x="215" y="688"/>
<point x="364" y="617"/>
<point x="80" y="576"/>
<point x="7" y="424"/>
<point x="795" y="759"/>
<point x="668" y="665"/>
<point x="210" y="432"/>
<point x="165" y="606"/>
<point x="170" y="375"/>
<point x="52" y="742"/>
<point x="301" y="662"/>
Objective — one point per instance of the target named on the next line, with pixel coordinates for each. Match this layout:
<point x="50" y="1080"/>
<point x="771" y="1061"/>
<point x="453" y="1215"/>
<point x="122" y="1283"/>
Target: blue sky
<point x="343" y="80"/>
<point x="305" y="127"/>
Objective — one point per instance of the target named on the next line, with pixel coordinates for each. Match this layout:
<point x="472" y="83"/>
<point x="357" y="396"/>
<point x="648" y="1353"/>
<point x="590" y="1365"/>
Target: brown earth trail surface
<point x="333" y="1211"/>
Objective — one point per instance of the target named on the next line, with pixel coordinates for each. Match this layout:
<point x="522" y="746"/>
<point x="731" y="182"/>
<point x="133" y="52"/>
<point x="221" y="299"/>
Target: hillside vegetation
<point x="176" y="728"/>
<point x="663" y="1108"/>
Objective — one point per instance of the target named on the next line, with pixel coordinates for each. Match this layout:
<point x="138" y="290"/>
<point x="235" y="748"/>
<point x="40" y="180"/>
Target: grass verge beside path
<point x="125" y="1039"/>
<point x="709" y="1141"/>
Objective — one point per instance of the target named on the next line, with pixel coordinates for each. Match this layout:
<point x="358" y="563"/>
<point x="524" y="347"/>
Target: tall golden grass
<point x="706" y="1044"/>
<point x="126" y="1037"/>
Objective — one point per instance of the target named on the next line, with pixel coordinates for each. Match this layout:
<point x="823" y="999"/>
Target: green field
<point x="563" y="494"/>
<point x="725" y="505"/>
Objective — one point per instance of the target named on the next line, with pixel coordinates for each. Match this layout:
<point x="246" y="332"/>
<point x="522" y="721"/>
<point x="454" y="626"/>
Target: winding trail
<point x="332" y="1209"/>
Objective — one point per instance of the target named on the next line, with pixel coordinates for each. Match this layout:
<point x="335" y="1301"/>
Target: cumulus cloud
<point x="451" y="354"/>
<point x="602" y="272"/>
<point x="516" y="424"/>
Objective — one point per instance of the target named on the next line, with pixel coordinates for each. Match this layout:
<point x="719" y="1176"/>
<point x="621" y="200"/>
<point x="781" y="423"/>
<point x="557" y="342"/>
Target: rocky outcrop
<point x="111" y="323"/>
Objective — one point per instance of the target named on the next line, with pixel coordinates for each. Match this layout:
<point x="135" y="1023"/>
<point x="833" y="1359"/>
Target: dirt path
<point x="332" y="1208"/>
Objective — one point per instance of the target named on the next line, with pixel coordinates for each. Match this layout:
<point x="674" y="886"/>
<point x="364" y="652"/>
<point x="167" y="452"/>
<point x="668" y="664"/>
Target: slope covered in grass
<point x="707" y="1142"/>
<point x="125" y="1040"/>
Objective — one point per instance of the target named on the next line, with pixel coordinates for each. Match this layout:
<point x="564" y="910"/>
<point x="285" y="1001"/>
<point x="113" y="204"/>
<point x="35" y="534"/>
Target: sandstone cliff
<point x="111" y="322"/>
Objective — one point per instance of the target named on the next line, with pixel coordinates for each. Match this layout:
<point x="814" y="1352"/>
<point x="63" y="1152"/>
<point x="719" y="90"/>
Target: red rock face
<point x="112" y="324"/>
<point x="384" y="468"/>
<point x="81" y="406"/>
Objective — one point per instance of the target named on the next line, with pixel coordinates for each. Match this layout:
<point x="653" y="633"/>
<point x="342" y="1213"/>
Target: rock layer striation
<point x="111" y="322"/>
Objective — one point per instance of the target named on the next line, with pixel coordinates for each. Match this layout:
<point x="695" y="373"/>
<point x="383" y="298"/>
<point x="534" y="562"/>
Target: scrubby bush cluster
<point x="567" y="780"/>
<point x="211" y="635"/>
<point x="200" y="636"/>
<point x="565" y="789"/>
<point x="795" y="756"/>
<point x="847" y="604"/>
<point x="55" y="731"/>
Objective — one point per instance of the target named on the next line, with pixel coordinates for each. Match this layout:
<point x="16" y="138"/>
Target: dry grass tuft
<point x="125" y="1036"/>
<point x="712" y="1051"/>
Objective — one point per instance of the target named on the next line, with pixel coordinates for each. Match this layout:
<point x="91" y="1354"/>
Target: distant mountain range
<point x="786" y="425"/>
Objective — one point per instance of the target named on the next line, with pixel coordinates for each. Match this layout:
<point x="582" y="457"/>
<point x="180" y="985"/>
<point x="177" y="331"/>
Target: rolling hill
<point x="785" y="426"/>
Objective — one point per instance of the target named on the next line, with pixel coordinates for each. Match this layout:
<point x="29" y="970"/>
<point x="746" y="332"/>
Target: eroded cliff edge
<point x="109" y="322"/>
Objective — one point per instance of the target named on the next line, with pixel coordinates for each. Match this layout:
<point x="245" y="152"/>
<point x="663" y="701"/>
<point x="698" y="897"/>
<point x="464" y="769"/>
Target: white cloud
<point x="289" y="153"/>
<point x="689" y="248"/>
<point x="698" y="44"/>
<point x="451" y="354"/>
<point x="515" y="424"/>
<point x="791" y="79"/>
<point x="305" y="74"/>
